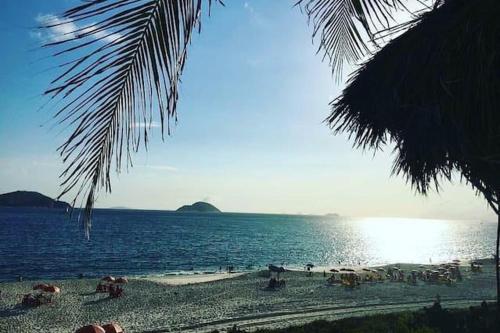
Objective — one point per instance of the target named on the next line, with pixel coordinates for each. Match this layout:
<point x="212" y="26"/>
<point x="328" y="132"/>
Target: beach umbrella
<point x="112" y="328"/>
<point x="40" y="286"/>
<point x="333" y="270"/>
<point x="433" y="93"/>
<point x="52" y="289"/>
<point x="274" y="268"/>
<point x="310" y="265"/>
<point x="91" y="329"/>
<point x="121" y="280"/>
<point x="108" y="278"/>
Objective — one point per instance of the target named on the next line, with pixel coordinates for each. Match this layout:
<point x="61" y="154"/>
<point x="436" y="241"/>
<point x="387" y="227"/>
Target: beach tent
<point x="91" y="329"/>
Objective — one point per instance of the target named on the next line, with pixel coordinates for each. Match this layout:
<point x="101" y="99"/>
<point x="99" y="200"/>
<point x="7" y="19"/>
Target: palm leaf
<point x="121" y="68"/>
<point x="346" y="27"/>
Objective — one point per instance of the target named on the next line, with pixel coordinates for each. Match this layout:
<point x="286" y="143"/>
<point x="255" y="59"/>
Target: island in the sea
<point x="199" y="207"/>
<point x="30" y="199"/>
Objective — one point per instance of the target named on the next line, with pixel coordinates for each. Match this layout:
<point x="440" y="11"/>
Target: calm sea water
<point x="45" y="244"/>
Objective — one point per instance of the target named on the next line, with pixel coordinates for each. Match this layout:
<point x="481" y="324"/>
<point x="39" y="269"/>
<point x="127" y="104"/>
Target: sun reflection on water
<point x="404" y="240"/>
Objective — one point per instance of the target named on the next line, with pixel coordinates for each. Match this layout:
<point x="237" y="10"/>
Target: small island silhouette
<point x="30" y="199"/>
<point x="199" y="207"/>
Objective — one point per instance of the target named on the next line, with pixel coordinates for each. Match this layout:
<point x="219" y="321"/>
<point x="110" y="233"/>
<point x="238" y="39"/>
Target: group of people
<point x="111" y="286"/>
<point x="44" y="295"/>
<point x="113" y="290"/>
<point x="445" y="273"/>
<point x="274" y="283"/>
<point x="476" y="267"/>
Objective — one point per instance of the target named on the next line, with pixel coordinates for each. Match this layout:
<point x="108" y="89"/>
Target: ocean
<point x="38" y="243"/>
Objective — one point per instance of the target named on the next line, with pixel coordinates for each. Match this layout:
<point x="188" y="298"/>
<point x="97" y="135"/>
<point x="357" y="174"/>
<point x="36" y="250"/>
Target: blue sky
<point x="250" y="135"/>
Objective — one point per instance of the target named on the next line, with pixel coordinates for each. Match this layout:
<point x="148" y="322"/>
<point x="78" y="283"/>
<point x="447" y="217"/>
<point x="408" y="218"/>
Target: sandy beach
<point x="218" y="301"/>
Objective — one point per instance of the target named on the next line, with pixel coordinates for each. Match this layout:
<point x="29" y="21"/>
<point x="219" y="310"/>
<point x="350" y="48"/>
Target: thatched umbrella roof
<point x="434" y="91"/>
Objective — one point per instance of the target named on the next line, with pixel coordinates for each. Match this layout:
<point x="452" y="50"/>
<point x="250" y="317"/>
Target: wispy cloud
<point x="61" y="30"/>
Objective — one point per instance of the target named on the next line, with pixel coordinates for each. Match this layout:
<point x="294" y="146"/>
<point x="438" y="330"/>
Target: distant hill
<point x="199" y="207"/>
<point x="30" y="199"/>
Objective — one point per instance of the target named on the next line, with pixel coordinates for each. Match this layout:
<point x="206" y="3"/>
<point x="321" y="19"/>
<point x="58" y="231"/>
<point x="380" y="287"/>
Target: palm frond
<point x="346" y="27"/>
<point x="122" y="66"/>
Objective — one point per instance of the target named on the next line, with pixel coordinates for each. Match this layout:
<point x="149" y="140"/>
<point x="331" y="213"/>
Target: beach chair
<point x="31" y="300"/>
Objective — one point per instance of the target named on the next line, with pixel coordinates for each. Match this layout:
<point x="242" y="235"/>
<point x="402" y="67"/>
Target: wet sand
<point x="183" y="303"/>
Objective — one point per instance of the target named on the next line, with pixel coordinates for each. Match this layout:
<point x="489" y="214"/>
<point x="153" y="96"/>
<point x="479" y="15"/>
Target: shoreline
<point x="201" y="276"/>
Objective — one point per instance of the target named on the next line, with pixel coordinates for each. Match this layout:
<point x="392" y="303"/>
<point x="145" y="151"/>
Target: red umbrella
<point x="52" y="289"/>
<point x="122" y="280"/>
<point x="108" y="278"/>
<point x="40" y="286"/>
<point x="112" y="328"/>
<point x="91" y="329"/>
